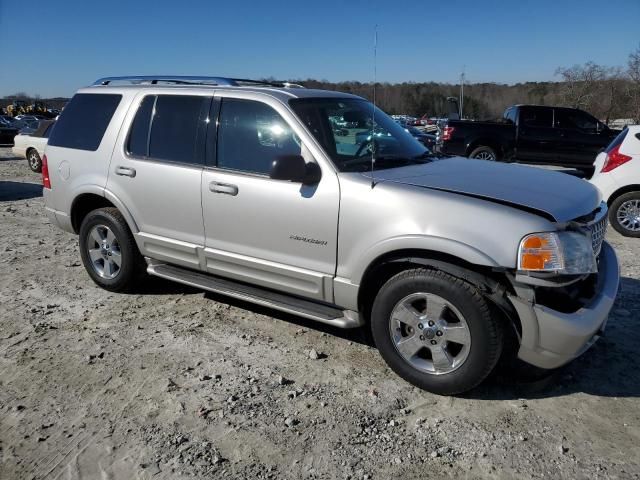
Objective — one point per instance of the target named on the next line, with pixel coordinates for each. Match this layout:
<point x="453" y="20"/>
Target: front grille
<point x="598" y="230"/>
<point x="595" y="224"/>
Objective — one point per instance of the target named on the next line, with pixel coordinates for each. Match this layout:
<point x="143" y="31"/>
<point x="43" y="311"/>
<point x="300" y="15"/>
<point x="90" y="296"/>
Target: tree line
<point x="606" y="92"/>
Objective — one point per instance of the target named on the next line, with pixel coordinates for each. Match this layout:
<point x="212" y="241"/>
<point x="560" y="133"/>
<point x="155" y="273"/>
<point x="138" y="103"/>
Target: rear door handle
<point x="126" y="171"/>
<point x="226" y="188"/>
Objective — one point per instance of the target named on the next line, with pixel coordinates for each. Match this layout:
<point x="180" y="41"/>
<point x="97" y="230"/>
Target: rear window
<point x="510" y="116"/>
<point x="617" y="141"/>
<point x="536" y="117"/>
<point x="84" y="121"/>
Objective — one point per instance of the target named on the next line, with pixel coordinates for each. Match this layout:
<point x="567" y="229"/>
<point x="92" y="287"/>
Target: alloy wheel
<point x="430" y="333"/>
<point x="628" y="215"/>
<point x="34" y="160"/>
<point x="484" y="156"/>
<point x="104" y="251"/>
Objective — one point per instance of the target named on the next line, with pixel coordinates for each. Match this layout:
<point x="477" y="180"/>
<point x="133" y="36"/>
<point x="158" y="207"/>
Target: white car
<point x="31" y="146"/>
<point x="617" y="175"/>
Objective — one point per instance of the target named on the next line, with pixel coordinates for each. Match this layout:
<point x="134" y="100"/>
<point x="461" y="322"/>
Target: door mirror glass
<point x="293" y="168"/>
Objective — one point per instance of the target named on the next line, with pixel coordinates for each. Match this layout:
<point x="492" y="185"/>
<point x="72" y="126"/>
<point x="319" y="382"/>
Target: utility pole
<point x="461" y="92"/>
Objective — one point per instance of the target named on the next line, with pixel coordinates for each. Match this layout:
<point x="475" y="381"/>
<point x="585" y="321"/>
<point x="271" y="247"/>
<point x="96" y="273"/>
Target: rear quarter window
<point x="84" y="120"/>
<point x="617" y="141"/>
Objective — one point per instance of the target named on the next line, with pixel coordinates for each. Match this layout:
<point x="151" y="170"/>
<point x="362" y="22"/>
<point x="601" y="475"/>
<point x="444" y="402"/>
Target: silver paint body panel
<point x="471" y="210"/>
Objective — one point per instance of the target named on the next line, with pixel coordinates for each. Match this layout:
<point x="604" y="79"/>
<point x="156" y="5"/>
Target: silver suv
<point x="253" y="190"/>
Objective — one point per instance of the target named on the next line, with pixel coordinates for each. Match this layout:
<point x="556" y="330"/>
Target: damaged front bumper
<point x="552" y="338"/>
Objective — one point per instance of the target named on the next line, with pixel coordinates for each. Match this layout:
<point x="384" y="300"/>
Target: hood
<point x="557" y="195"/>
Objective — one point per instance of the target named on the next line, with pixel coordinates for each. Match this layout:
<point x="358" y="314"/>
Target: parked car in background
<point x="7" y="132"/>
<point x="31" y="146"/>
<point x="29" y="118"/>
<point x="617" y="176"/>
<point x="566" y="137"/>
<point x="427" y="139"/>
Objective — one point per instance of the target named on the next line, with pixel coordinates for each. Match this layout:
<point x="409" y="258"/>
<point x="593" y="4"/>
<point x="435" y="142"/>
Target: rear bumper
<point x="56" y="217"/>
<point x="606" y="184"/>
<point x="550" y="338"/>
<point x="18" y="152"/>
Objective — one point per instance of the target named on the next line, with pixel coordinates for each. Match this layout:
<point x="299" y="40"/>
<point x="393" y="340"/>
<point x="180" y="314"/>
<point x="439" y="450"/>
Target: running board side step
<point x="260" y="296"/>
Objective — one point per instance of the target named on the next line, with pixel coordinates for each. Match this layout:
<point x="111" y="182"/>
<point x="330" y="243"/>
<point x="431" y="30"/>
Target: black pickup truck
<point x="560" y="136"/>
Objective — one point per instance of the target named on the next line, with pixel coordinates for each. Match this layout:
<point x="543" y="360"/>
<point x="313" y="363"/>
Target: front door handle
<point x="126" y="171"/>
<point x="227" y="188"/>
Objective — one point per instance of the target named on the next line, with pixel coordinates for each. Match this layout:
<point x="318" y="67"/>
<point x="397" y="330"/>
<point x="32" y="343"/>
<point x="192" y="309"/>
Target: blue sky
<point x="54" y="47"/>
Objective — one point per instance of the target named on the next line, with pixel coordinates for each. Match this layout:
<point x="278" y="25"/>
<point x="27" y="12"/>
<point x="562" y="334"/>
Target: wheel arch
<point x="621" y="191"/>
<point x="85" y="202"/>
<point x="490" y="282"/>
<point x="484" y="142"/>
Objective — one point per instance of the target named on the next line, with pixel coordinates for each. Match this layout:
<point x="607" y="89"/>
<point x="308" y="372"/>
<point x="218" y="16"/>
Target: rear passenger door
<point x="536" y="137"/>
<point x="156" y="171"/>
<point x="578" y="137"/>
<point x="277" y="234"/>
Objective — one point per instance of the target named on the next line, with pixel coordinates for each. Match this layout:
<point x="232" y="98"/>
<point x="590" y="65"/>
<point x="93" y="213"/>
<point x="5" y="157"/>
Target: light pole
<point x="461" y="92"/>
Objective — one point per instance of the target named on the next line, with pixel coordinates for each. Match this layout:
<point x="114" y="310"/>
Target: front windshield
<point x="351" y="134"/>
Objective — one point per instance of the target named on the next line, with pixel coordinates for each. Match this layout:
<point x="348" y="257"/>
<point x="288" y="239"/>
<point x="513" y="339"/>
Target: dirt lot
<point x="175" y="383"/>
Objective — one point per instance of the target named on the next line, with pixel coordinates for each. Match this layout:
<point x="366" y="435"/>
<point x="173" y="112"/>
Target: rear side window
<point x="84" y="121"/>
<point x="170" y="128"/>
<point x="138" y="142"/>
<point x="536" y="117"/>
<point x="618" y="140"/>
<point x="178" y="127"/>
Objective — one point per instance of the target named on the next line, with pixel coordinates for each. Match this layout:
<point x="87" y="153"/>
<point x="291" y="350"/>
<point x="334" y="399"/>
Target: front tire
<point x="624" y="214"/>
<point x="484" y="153"/>
<point x="108" y="250"/>
<point x="34" y="160"/>
<point x="436" y="331"/>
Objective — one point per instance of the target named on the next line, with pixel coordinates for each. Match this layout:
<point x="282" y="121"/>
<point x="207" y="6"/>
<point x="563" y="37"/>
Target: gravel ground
<point x="176" y="383"/>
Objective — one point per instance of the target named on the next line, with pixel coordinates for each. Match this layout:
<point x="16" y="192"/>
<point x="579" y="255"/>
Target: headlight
<point x="567" y="252"/>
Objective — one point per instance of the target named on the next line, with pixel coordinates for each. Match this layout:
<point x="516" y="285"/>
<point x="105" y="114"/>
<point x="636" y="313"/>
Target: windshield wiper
<point x="387" y="161"/>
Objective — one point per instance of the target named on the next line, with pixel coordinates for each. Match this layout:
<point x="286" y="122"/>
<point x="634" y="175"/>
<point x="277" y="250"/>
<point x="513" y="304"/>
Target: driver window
<point x="575" y="120"/>
<point x="251" y="135"/>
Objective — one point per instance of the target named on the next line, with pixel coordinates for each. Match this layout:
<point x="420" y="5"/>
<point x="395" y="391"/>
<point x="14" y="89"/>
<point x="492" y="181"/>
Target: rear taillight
<point x="614" y="159"/>
<point x="46" y="182"/>
<point x="446" y="133"/>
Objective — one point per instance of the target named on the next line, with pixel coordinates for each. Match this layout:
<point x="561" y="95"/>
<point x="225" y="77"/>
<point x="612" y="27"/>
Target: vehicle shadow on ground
<point x="611" y="368"/>
<point x="8" y="158"/>
<point x="10" y="191"/>
<point x="358" y="335"/>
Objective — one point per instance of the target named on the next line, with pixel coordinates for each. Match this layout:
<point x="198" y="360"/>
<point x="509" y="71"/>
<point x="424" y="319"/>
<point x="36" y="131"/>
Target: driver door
<point x="277" y="234"/>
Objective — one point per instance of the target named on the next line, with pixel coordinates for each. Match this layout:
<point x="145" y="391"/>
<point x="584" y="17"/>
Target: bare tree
<point x="633" y="89"/>
<point x="581" y="84"/>
<point x="610" y="104"/>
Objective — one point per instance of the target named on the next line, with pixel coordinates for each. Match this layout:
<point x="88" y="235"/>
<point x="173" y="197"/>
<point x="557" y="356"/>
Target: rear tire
<point x="34" y="160"/>
<point x="624" y="214"/>
<point x="108" y="250"/>
<point x="469" y="355"/>
<point x="484" y="153"/>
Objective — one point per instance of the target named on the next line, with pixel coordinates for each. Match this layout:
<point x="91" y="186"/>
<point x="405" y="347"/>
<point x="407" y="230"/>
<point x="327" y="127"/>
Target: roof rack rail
<point x="193" y="80"/>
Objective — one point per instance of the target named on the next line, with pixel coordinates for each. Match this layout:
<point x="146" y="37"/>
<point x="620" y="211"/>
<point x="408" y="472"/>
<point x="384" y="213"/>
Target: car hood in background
<point x="558" y="195"/>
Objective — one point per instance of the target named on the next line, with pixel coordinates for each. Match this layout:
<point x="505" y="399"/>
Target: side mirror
<point x="293" y="168"/>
